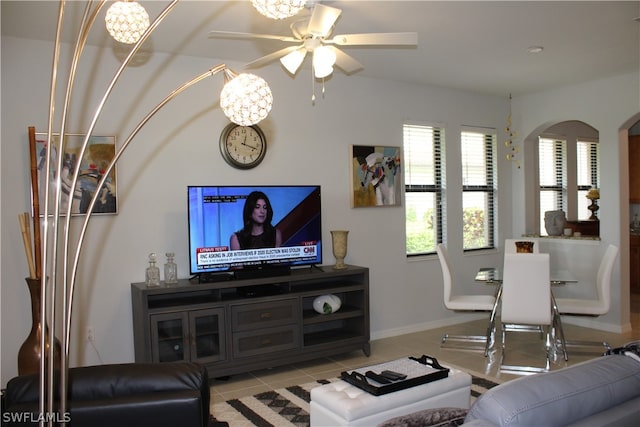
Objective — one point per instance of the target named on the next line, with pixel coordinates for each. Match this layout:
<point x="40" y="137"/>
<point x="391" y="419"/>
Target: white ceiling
<point x="475" y="46"/>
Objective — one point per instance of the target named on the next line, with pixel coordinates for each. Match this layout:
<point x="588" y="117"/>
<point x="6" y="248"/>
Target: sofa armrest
<point x="561" y="397"/>
<point x="109" y="381"/>
<point x="112" y="381"/>
<point x="96" y="389"/>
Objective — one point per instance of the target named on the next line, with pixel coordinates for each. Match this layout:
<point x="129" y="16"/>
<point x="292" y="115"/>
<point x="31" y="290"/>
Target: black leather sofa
<point x="121" y="395"/>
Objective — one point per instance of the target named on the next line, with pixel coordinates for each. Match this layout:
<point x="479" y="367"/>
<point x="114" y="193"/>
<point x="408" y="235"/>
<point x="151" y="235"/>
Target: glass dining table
<point x="493" y="276"/>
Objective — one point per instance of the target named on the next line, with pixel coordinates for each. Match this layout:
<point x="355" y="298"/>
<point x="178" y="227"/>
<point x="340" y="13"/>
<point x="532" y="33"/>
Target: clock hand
<point x="247" y="145"/>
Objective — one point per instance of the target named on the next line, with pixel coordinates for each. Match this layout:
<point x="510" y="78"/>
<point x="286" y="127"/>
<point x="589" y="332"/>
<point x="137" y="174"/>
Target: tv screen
<point x="235" y="228"/>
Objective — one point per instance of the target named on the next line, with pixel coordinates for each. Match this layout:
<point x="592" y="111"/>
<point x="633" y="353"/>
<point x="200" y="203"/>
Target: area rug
<point x="289" y="406"/>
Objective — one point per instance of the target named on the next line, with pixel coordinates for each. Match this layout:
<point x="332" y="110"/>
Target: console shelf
<point x="231" y="331"/>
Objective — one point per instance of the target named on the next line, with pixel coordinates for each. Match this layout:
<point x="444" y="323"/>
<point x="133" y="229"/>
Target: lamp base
<point x="593" y="207"/>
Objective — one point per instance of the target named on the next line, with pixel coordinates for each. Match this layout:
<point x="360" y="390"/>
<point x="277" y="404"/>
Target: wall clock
<point x="243" y="147"/>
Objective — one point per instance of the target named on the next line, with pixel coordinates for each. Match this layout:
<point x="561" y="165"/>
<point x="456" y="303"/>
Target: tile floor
<point x="527" y="350"/>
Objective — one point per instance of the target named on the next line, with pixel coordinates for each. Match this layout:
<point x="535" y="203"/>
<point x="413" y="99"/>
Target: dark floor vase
<point x="29" y="354"/>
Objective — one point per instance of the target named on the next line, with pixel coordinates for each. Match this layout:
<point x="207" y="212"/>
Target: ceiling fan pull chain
<point x="313" y="87"/>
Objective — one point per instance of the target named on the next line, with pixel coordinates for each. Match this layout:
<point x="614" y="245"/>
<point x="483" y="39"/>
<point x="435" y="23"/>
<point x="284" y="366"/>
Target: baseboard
<point x="594" y="323"/>
<point x="419" y="327"/>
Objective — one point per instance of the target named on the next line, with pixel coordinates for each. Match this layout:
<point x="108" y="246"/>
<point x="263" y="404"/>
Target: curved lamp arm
<point x="243" y="102"/>
<point x="74" y="266"/>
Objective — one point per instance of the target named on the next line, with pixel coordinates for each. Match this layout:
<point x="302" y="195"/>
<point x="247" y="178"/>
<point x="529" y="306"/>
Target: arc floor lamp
<point x="245" y="99"/>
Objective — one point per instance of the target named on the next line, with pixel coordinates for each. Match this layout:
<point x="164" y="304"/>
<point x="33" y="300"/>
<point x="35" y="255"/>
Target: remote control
<point x="393" y="375"/>
<point x="377" y="377"/>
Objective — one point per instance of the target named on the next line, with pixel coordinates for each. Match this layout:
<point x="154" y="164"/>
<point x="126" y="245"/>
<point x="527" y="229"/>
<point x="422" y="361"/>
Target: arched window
<point x="567" y="166"/>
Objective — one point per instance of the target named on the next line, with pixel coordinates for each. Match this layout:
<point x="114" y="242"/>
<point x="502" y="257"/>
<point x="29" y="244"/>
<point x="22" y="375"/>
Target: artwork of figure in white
<point x="376" y="176"/>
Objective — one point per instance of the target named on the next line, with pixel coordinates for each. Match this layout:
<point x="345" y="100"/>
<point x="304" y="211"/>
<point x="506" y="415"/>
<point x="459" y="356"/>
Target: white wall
<point x="307" y="144"/>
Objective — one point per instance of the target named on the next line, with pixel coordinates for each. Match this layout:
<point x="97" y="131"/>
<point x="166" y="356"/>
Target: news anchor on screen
<point x="257" y="232"/>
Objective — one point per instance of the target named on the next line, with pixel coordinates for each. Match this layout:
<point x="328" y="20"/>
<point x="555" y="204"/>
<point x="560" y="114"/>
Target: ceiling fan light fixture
<point x="278" y="9"/>
<point x="126" y="21"/>
<point x="322" y="72"/>
<point x="246" y="99"/>
<point x="293" y="60"/>
<point x="323" y="60"/>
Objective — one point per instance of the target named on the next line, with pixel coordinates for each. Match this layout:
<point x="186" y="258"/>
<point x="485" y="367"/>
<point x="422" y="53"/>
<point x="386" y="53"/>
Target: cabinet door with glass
<point x="196" y="336"/>
<point x="207" y="338"/>
<point x="170" y="337"/>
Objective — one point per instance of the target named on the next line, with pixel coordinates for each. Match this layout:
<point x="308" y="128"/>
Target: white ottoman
<point x="342" y="404"/>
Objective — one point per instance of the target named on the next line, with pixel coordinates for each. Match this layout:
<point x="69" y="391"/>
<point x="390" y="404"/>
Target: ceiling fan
<point x="312" y="35"/>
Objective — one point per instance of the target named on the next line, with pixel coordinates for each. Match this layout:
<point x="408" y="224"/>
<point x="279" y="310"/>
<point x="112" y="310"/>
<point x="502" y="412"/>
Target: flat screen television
<point x="253" y="230"/>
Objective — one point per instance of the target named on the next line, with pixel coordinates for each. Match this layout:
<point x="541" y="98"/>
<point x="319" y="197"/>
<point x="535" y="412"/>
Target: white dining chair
<point x="466" y="303"/>
<point x="592" y="307"/>
<point x="526" y="302"/>
<point x="510" y="244"/>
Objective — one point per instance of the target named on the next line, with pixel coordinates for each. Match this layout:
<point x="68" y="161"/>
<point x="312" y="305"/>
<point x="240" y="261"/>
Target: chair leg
<point x="563" y="343"/>
<point x="556" y="328"/>
<point x="464" y="338"/>
<point x="572" y="343"/>
<point x="588" y="344"/>
<point x="488" y="340"/>
<point x="491" y="329"/>
<point x="518" y="369"/>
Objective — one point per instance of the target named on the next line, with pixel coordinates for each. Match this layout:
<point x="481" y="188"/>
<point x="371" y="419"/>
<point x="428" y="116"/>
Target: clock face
<point x="243" y="147"/>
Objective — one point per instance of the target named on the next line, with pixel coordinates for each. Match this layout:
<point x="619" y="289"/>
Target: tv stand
<point x="259" y="291"/>
<point x="231" y="328"/>
<point x="213" y="277"/>
<point x="254" y="273"/>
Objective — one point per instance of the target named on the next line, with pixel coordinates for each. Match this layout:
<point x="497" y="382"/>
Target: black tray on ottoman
<point x="418" y="370"/>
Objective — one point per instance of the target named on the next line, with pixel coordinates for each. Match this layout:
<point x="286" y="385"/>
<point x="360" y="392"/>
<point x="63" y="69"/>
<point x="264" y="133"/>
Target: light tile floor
<point x="524" y="349"/>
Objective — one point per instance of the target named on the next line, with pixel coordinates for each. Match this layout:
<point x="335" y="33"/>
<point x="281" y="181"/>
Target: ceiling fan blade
<point x="397" y="39"/>
<point x="345" y="62"/>
<point x="322" y="20"/>
<point x="271" y="57"/>
<point x="236" y="35"/>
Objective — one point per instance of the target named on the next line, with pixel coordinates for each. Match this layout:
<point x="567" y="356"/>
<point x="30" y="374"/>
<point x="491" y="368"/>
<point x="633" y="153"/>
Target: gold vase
<point x="339" y="244"/>
<point x="30" y="351"/>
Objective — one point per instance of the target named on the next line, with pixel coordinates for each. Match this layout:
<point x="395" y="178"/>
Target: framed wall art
<point x="376" y="176"/>
<point x="99" y="153"/>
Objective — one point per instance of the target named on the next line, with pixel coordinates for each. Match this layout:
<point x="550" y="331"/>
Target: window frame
<point x="490" y="187"/>
<point x="437" y="188"/>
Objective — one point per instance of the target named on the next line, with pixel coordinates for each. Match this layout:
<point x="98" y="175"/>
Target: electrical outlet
<point x="90" y="335"/>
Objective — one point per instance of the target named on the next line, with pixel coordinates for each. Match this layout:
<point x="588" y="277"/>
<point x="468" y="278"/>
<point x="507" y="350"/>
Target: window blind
<point x="552" y="168"/>
<point x="424" y="183"/>
<point x="478" y="188"/>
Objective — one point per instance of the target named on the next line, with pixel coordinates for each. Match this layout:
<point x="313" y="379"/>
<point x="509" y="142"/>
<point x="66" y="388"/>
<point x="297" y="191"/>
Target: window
<point x="563" y="164"/>
<point x="478" y="189"/>
<point x="588" y="153"/>
<point x="552" y="165"/>
<point x="423" y="177"/>
<point x="562" y="186"/>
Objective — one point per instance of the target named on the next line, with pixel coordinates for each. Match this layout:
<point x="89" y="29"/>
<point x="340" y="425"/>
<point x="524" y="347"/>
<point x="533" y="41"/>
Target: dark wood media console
<point x="232" y="330"/>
